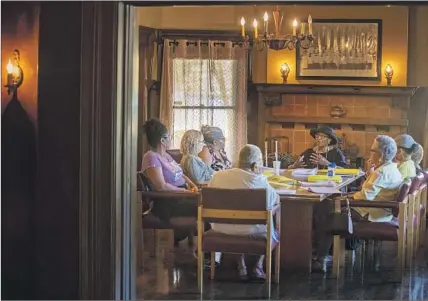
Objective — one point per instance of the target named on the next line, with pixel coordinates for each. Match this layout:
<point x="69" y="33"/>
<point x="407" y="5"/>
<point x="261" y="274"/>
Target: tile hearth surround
<point x="315" y="107"/>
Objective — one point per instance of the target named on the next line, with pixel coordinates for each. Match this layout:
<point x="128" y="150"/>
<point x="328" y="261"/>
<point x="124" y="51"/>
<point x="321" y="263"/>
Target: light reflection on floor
<point x="173" y="277"/>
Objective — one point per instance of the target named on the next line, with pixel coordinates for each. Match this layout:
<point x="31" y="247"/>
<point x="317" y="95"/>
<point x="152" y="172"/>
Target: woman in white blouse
<point x="382" y="184"/>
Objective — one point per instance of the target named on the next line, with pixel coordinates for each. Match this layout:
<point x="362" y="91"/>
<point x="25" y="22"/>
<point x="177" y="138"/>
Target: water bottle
<point x="331" y="171"/>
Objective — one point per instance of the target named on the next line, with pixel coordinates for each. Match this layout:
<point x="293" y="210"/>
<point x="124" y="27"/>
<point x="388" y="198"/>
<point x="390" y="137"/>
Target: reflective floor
<point x="368" y="275"/>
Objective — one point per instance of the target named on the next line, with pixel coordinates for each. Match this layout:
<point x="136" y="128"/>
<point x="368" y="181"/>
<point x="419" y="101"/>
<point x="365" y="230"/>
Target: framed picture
<point x="342" y="50"/>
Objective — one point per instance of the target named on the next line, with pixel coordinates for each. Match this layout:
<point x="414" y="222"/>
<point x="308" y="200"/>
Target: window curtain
<point x="205" y="82"/>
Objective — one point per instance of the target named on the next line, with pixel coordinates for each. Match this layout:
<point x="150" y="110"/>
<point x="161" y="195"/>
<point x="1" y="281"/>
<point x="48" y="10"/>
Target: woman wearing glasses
<point x="324" y="152"/>
<point x="213" y="152"/>
<point x="164" y="174"/>
<point x="193" y="166"/>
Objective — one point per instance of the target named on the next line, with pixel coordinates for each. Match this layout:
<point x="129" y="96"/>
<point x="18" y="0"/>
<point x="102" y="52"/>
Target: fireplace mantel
<point x="273" y="92"/>
<point x="291" y="110"/>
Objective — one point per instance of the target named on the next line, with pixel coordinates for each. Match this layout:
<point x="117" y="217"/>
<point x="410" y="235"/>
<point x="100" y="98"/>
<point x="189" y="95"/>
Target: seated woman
<point x="193" y="166"/>
<point x="247" y="175"/>
<point x="166" y="175"/>
<point x="324" y="152"/>
<point x="417" y="157"/>
<point x="406" y="147"/>
<point x="213" y="153"/>
<point x="381" y="185"/>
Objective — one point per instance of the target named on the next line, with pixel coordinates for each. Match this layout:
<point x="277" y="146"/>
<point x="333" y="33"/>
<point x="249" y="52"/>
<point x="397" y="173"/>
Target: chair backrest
<point x="402" y="195"/>
<point x="175" y="154"/>
<point x="416" y="183"/>
<point x="143" y="182"/>
<point x="403" y="191"/>
<point x="234" y="206"/>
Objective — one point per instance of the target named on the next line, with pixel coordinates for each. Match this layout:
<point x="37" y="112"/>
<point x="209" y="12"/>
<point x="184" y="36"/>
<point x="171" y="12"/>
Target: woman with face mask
<point x="324" y="152"/>
<point x="406" y="147"/>
<point x="213" y="152"/>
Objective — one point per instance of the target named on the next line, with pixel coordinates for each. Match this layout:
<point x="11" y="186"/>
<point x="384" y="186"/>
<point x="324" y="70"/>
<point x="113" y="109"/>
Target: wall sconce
<point x="285" y="69"/>
<point x="389" y="72"/>
<point x="15" y="75"/>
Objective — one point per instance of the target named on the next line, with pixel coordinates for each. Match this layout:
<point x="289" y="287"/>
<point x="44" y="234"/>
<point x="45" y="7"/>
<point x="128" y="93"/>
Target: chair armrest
<point x="169" y="195"/>
<point x="373" y="204"/>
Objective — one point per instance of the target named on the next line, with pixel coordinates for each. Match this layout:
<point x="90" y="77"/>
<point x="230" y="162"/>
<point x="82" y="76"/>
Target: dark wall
<point x="57" y="209"/>
<point x="19" y="30"/>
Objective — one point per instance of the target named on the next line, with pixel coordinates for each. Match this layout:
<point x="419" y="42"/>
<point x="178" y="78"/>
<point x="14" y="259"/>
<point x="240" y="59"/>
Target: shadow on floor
<point x="173" y="277"/>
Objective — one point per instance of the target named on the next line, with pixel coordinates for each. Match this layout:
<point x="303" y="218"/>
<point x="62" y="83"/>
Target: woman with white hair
<point x="247" y="175"/>
<point x="382" y="184"/>
<point x="193" y="166"/>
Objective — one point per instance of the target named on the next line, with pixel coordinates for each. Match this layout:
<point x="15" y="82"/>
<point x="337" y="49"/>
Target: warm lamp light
<point x="285" y="70"/>
<point x="15" y="76"/>
<point x="389" y="72"/>
<point x="9" y="67"/>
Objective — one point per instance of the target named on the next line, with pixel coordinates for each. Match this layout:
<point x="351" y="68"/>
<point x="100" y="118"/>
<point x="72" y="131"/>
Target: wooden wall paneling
<point x="77" y="215"/>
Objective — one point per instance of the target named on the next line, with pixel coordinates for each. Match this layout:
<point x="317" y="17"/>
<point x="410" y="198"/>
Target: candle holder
<point x="389" y="72"/>
<point x="285" y="70"/>
<point x="15" y="75"/>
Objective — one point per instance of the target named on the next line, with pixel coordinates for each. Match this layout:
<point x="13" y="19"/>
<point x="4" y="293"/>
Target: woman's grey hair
<point x="191" y="142"/>
<point x="248" y="155"/>
<point x="387" y="147"/>
<point x="418" y="155"/>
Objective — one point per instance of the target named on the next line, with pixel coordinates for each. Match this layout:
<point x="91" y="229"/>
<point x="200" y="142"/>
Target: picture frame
<point x="351" y="49"/>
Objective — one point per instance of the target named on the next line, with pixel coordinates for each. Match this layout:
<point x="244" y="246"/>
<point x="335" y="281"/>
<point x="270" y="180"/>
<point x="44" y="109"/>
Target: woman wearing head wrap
<point x="213" y="153"/>
<point x="406" y="148"/>
<point x="324" y="152"/>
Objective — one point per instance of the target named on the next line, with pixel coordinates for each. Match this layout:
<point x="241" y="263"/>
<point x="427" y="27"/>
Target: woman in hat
<point x="213" y="153"/>
<point x="406" y="146"/>
<point x="324" y="152"/>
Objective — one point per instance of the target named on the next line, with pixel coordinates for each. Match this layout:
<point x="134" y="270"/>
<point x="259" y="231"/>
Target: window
<point x="204" y="92"/>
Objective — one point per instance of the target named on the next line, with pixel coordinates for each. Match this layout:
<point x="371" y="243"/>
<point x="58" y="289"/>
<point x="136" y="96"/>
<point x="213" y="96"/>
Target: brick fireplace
<point x="292" y="110"/>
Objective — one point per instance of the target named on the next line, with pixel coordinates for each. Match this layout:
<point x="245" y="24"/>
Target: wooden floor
<point x="365" y="277"/>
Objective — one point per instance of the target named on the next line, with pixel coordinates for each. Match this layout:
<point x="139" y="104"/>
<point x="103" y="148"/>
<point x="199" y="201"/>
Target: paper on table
<point x="282" y="191"/>
<point x="305" y="172"/>
<point x="318" y="184"/>
<point x="327" y="190"/>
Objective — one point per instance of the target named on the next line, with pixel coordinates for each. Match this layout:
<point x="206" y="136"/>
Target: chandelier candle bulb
<point x="256" y="33"/>
<point x="294" y="27"/>
<point x="302" y="28"/>
<point x="243" y="26"/>
<point x="266" y="153"/>
<point x="276" y="150"/>
<point x="266" y="20"/>
<point x="310" y="24"/>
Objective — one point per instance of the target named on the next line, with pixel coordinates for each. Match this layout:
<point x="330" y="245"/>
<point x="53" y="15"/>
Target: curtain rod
<point x="206" y="43"/>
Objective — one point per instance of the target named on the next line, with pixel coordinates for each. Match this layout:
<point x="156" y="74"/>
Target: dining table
<point x="297" y="208"/>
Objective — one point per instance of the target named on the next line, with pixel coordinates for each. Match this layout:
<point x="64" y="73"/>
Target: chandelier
<point x="276" y="40"/>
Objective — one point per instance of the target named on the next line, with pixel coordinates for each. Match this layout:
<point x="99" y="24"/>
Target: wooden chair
<point x="424" y="211"/>
<point x="415" y="195"/>
<point x="237" y="206"/>
<point x="386" y="231"/>
<point x="177" y="222"/>
<point x="175" y="154"/>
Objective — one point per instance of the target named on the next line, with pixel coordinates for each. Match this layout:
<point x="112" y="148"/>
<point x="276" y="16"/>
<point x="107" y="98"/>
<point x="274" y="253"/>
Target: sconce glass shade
<point x="389" y="72"/>
<point x="285" y="69"/>
<point x="15" y="75"/>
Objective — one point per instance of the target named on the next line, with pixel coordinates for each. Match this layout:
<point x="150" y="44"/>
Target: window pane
<point x="200" y="82"/>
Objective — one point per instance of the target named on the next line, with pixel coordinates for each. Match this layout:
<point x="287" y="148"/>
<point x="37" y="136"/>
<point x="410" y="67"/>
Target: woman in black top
<point x="324" y="153"/>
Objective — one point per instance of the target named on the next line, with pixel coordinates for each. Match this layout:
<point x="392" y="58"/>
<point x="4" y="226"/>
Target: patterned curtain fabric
<point x="205" y="82"/>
